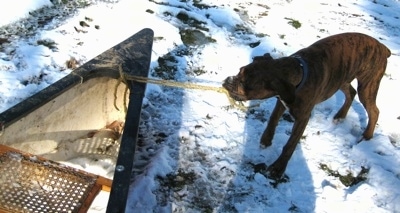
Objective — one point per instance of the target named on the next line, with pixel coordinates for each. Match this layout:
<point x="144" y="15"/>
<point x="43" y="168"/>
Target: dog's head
<point x="259" y="80"/>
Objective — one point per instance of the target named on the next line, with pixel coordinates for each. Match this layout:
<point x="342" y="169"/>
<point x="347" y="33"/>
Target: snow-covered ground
<point x="195" y="153"/>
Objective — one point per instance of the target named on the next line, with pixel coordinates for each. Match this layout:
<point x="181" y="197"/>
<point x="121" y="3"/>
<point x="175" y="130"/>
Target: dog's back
<point x="336" y="61"/>
<point x="358" y="49"/>
<point x="344" y="57"/>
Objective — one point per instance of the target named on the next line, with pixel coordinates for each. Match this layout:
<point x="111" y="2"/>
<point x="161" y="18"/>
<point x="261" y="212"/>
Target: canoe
<point x="92" y="111"/>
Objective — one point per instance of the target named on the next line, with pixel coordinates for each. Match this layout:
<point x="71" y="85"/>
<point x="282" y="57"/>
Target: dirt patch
<point x="349" y="179"/>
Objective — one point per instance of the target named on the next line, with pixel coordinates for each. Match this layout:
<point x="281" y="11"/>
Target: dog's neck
<point x="291" y="69"/>
<point x="304" y="67"/>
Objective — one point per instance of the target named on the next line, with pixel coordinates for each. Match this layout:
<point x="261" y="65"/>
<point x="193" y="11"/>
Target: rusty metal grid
<point x="28" y="184"/>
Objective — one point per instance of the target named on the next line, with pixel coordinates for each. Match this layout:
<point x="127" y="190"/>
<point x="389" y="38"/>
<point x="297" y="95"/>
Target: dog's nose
<point x="228" y="81"/>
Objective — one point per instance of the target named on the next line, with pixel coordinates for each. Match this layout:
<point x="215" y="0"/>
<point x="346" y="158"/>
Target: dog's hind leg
<point x="349" y="93"/>
<point x="367" y="92"/>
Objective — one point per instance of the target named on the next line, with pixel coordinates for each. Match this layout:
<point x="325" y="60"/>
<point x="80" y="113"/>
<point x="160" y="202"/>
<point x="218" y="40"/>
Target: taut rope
<point x="185" y="85"/>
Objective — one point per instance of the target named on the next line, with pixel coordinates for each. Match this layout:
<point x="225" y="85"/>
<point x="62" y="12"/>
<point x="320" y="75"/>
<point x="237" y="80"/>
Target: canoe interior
<point x="69" y="121"/>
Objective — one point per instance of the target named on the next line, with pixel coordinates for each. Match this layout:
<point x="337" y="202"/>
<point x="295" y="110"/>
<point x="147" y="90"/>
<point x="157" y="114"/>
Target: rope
<point x="184" y="85"/>
<point x="121" y="80"/>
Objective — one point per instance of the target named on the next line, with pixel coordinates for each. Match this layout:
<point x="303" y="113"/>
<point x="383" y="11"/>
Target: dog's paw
<point x="264" y="144"/>
<point x="338" y="120"/>
<point x="360" y="139"/>
<point x="364" y="137"/>
<point x="283" y="179"/>
<point x="263" y="169"/>
<point x="274" y="173"/>
<point x="276" y="176"/>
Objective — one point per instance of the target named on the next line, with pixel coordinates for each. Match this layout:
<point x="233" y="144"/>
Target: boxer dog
<point x="308" y="77"/>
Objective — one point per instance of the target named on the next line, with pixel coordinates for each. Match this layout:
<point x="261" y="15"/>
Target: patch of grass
<point x="177" y="181"/>
<point x="348" y="179"/>
<point x="186" y="19"/>
<point x="198" y="4"/>
<point x="254" y="44"/>
<point x="72" y="63"/>
<point x="158" y="38"/>
<point x="294" y="208"/>
<point x="199" y="71"/>
<point x="264" y="6"/>
<point x="184" y="52"/>
<point x="167" y="67"/>
<point x="83" y="4"/>
<point x="395" y="138"/>
<point x="3" y="41"/>
<point x="168" y="64"/>
<point x="294" y="23"/>
<point x="47" y="43"/>
<point x="261" y="35"/>
<point x="166" y="13"/>
<point x="160" y="137"/>
<point x="195" y="37"/>
<point x="173" y="182"/>
<point x="388" y="75"/>
<point x="202" y="205"/>
<point x="188" y="36"/>
<point x="34" y="79"/>
<point x="258" y="115"/>
<point x="242" y="29"/>
<point x="263" y="14"/>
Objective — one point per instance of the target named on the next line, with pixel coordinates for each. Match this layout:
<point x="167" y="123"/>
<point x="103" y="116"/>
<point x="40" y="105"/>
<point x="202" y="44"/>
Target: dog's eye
<point x="247" y="86"/>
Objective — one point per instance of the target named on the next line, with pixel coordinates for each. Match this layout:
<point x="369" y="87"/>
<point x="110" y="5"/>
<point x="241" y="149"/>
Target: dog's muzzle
<point x="231" y="84"/>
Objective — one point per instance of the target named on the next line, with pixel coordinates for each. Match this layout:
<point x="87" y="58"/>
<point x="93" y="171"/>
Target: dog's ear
<point x="285" y="90"/>
<point x="266" y="57"/>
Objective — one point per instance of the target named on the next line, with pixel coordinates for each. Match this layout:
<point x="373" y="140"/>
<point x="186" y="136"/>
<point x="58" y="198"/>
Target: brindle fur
<point x="334" y="62"/>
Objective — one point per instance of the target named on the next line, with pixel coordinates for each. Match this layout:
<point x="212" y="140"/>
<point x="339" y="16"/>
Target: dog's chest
<point x="286" y="107"/>
<point x="284" y="103"/>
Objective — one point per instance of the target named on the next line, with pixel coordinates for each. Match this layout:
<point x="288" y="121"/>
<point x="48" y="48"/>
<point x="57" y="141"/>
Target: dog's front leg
<point x="266" y="138"/>
<point x="276" y="169"/>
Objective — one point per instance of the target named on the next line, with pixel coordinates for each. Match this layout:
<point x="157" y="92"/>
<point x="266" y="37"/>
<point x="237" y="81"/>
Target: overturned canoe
<point x="83" y="113"/>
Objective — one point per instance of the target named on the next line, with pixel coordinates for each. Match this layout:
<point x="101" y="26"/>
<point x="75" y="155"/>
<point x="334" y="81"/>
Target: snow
<point x="209" y="147"/>
<point x="12" y="11"/>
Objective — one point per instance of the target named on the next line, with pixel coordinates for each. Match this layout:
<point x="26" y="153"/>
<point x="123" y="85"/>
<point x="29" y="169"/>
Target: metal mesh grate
<point x="28" y="184"/>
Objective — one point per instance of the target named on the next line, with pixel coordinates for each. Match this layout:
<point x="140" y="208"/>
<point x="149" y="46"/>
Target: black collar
<point x="304" y="65"/>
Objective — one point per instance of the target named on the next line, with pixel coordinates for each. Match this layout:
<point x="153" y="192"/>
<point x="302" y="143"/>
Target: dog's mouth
<point x="232" y="85"/>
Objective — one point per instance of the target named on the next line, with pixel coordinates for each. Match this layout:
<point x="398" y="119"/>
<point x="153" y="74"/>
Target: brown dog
<point x="310" y="76"/>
